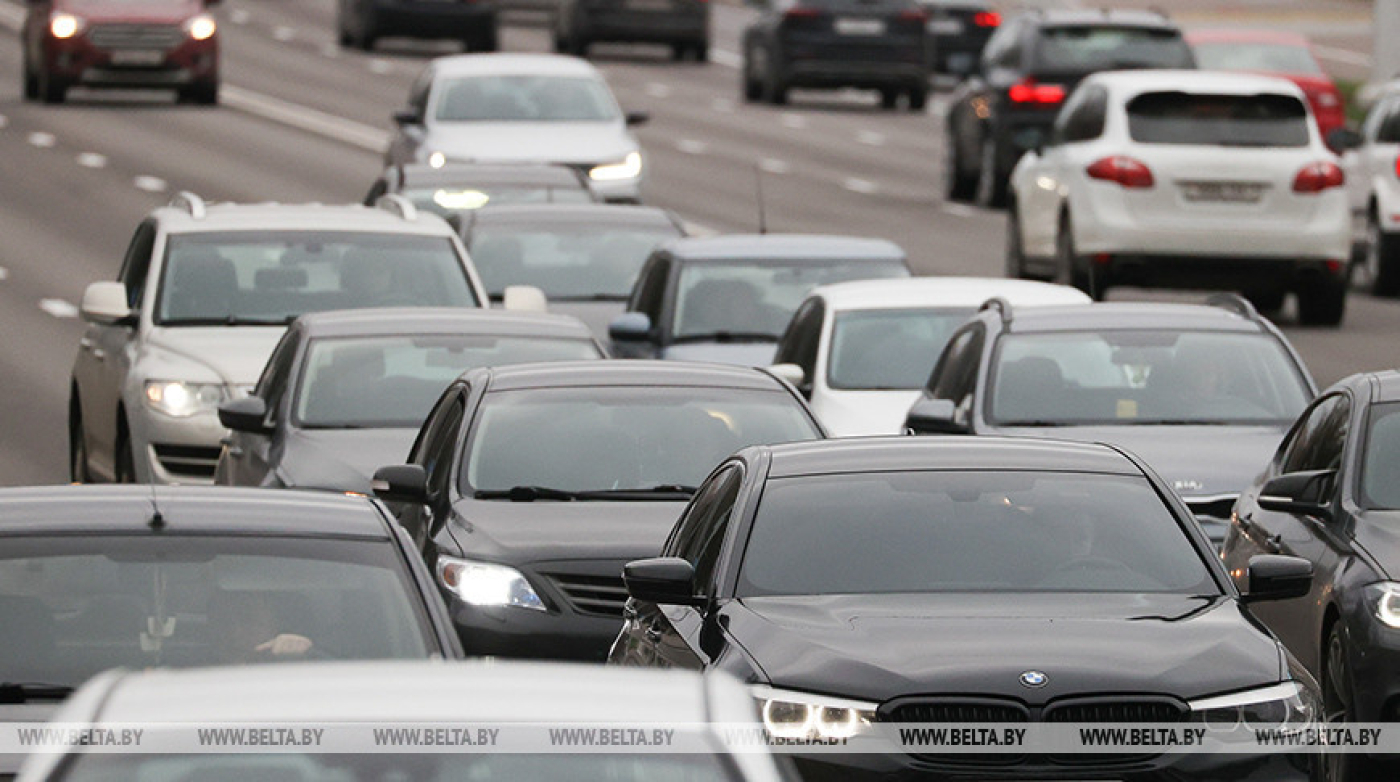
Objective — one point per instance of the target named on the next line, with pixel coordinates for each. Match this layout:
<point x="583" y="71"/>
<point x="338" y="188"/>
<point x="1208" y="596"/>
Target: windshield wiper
<point x="527" y="494"/>
<point x="532" y="493"/>
<point x="23" y="692"/>
<point x="728" y="336"/>
<point x="591" y="297"/>
<point x="231" y="320"/>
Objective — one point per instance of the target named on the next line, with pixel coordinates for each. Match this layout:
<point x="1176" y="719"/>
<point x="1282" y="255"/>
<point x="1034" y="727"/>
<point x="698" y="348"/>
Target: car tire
<point x="1381" y="262"/>
<point x="1323" y="302"/>
<point x="51" y="90"/>
<point x="1015" y="251"/>
<point x="752" y="87"/>
<point x="1070" y="268"/>
<point x="1337" y="689"/>
<point x="957" y="184"/>
<point x="701" y="51"/>
<point x="124" y="460"/>
<point x="77" y="444"/>
<point x="1268" y="301"/>
<point x="203" y="93"/>
<point x="578" y="45"/>
<point x="918" y="99"/>
<point x="991" y="184"/>
<point x="679" y="51"/>
<point x="889" y="98"/>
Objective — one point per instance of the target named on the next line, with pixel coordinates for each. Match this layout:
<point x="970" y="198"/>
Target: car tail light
<point x="1123" y="170"/>
<point x="802" y="12"/>
<point x="1319" y="176"/>
<point x="1031" y="91"/>
<point x="913" y="15"/>
<point x="987" y="19"/>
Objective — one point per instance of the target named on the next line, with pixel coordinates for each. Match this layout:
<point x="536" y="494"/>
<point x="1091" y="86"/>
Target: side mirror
<point x="1343" y="139"/>
<point x="792" y="373"/>
<point x="524" y="298"/>
<point x="630" y="327"/>
<point x="406" y="117"/>
<point x="664" y="580"/>
<point x="1299" y="492"/>
<point x="1278" y="577"/>
<point x="248" y="414"/>
<point x="401" y="483"/>
<point x="933" y="416"/>
<point x="105" y="302"/>
<point x="1029" y="140"/>
<point x="635" y="118"/>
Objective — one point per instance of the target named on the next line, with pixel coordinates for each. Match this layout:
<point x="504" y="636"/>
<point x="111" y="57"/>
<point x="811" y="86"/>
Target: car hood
<point x="747" y="354"/>
<point x="342" y="459"/>
<point x="877" y="647"/>
<point x="858" y="413"/>
<point x="581" y="143"/>
<point x="597" y="315"/>
<point x="1196" y="461"/>
<point x="152" y="11"/>
<point x="237" y="354"/>
<point x="1378" y="533"/>
<point x="523" y="532"/>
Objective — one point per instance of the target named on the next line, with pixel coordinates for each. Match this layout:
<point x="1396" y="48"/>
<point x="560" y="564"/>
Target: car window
<point x="568" y="261"/>
<point x="801" y="342"/>
<point x="1380" y="461"/>
<point x="1083" y="117"/>
<point x="649" y="292"/>
<point x="1084" y="48"/>
<point x="889" y="349"/>
<point x="1389" y="130"/>
<point x="1319" y="441"/>
<point x="272" y="386"/>
<point x="136" y="264"/>
<point x="440" y="441"/>
<point x="967" y="530"/>
<point x="954" y="377"/>
<point x="1260" y="120"/>
<point x="1255" y="56"/>
<point x="701" y="531"/>
<point x="512" y="98"/>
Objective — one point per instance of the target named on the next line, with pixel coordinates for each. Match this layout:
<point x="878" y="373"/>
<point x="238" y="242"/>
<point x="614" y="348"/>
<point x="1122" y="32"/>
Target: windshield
<point x="889" y="349"/>
<point x="1245" y="56"/>
<point x="1144" y="377"/>
<point x="394" y="381"/>
<point x="1088" y="48"/>
<point x="273" y="276"/>
<point x="446" y="201"/>
<point x="1379" y="489"/>
<point x="598" y="260"/>
<point x="1229" y="120"/>
<point x="951" y="531"/>
<point x="525" y="99"/>
<point x="74" y="606"/>
<point x="621" y="438"/>
<point x="746" y="298"/>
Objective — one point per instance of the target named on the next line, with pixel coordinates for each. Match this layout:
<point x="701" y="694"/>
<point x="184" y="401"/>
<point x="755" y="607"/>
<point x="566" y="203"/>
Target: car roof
<point x="943" y="291"/>
<point x="877" y="454"/>
<point x="1131" y="315"/>
<point x="512" y="64"/>
<point x="1064" y="17"/>
<point x="1387" y="385"/>
<point x="418" y="174"/>
<point x="64" y="510"/>
<point x="1136" y="82"/>
<point x="628" y="372"/>
<point x="299" y="217"/>
<point x="758" y="248"/>
<point x="441" y="320"/>
<point x="593" y="214"/>
<point x="1246" y="35"/>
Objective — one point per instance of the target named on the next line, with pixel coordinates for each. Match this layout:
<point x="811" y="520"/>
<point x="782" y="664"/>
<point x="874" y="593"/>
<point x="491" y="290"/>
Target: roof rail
<point x="393" y="202"/>
<point x="1234" y="303"/>
<point x="1001" y="305"/>
<point x="190" y="203"/>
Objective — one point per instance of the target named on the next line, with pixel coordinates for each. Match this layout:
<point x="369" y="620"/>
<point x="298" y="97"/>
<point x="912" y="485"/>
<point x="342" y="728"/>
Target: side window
<point x="418" y="93"/>
<point x="1372" y="123"/>
<point x="439" y="437"/>
<point x="799" y="344"/>
<point x="700" y="534"/>
<point x="955" y="377"/>
<point x="137" y="263"/>
<point x="1002" y="49"/>
<point x="1318" y="441"/>
<point x="1083" y="120"/>
<point x="651" y="289"/>
<point x="272" y="386"/>
<point x="1389" y="131"/>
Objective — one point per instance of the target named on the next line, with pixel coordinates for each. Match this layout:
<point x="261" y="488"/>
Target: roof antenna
<point x="157" y="520"/>
<point x="758" y="186"/>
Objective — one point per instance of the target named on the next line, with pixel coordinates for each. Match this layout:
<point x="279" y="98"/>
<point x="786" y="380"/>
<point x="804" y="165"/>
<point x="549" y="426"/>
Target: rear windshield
<point x="1088" y="48"/>
<point x="1227" y="120"/>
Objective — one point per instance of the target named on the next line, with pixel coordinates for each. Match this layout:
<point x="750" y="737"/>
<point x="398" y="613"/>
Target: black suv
<point x="869" y="44"/>
<point x="1029" y="66"/>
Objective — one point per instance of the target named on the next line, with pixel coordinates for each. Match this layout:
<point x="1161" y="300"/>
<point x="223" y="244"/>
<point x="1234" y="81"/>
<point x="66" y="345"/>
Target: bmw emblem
<point x="1034" y="679"/>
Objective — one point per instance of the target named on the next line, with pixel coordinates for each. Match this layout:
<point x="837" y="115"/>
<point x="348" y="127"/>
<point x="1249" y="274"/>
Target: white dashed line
<point x="958" y="210"/>
<point x="4" y="121"/>
<point x="238" y="16"/>
<point x="864" y="186"/>
<point x="726" y="59"/>
<point x="691" y="146"/>
<point x="380" y="67"/>
<point x="722" y="105"/>
<point x="330" y="50"/>
<point x="699" y="229"/>
<point x="42" y="140"/>
<point x="150" y="184"/>
<point x="283" y="34"/>
<point x="92" y="160"/>
<point x="4" y="273"/>
<point x="58" y="308"/>
<point x="658" y="90"/>
<point x="871" y="138"/>
<point x="773" y="165"/>
<point x="794" y="121"/>
<point x="1342" y="55"/>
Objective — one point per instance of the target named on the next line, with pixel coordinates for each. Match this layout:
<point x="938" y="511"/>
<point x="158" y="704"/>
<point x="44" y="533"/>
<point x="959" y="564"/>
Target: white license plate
<point x="1225" y="192"/>
<point x="137" y="57"/>
<point x="860" y="26"/>
<point x="945" y="26"/>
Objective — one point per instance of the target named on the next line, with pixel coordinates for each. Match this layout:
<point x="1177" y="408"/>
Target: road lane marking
<point x="330" y="50"/>
<point x="773" y="165"/>
<point x="150" y="184"/>
<point x="4" y="122"/>
<point x="1341" y="55"/>
<point x="726" y="59"/>
<point x="658" y="90"/>
<point x="4" y="273"/>
<point x="12" y="16"/>
<point x="92" y="160"/>
<point x="863" y="186"/>
<point x="380" y="66"/>
<point x="958" y="210"/>
<point x="794" y="121"/>
<point x="58" y="308"/>
<point x="722" y="105"/>
<point x="691" y="146"/>
<point x="284" y="34"/>
<point x="871" y="138"/>
<point x="42" y="140"/>
<point x="318" y="122"/>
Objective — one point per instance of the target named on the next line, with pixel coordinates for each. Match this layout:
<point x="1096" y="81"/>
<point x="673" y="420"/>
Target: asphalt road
<point x="302" y="120"/>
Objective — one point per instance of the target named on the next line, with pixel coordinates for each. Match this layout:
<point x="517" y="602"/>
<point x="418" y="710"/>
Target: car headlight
<point x="437" y="159"/>
<point x="1384" y="599"/>
<point x="487" y="584"/>
<point x="797" y="715"/>
<point x="201" y="27"/>
<point x="1285" y="705"/>
<point x="64" y="25"/>
<point x="629" y="168"/>
<point x="182" y="400"/>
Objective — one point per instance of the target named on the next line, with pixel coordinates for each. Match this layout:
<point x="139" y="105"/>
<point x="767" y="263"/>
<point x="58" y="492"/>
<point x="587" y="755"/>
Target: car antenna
<point x="758" y="187"/>
<point x="157" y="520"/>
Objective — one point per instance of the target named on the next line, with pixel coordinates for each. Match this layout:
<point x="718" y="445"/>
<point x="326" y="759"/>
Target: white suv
<point x="1374" y="181"/>
<point x="1187" y="179"/>
<point x="205" y="292"/>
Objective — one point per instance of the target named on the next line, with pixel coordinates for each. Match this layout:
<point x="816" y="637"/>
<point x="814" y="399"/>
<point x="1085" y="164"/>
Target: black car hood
<point x="342" y="459"/>
<point x="877" y="647"/>
<point x="523" y="532"/>
<point x="1378" y="533"/>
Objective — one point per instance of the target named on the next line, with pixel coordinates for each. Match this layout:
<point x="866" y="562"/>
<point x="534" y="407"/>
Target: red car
<point x="121" y="43"/>
<point x="1278" y="54"/>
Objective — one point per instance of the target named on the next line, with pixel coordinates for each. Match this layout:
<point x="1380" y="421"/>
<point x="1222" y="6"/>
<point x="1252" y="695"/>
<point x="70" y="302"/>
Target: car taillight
<point x="1397" y="166"/>
<point x="1031" y="91"/>
<point x="913" y="15"/>
<point x="987" y="19"/>
<point x="1319" y="176"/>
<point x="802" y="12"/>
<point x="1123" y="170"/>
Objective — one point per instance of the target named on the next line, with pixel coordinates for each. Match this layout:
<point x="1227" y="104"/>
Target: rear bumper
<point x="839" y="73"/>
<point x="77" y="61"/>
<point x="1213" y="272"/>
<point x="642" y="26"/>
<point x="434" y="20"/>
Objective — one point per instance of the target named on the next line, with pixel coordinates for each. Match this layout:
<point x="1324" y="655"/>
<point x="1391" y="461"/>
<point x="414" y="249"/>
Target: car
<point x="530" y="485"/>
<point x="413" y="720"/>
<point x="585" y="259"/>
<point x="860" y="351"/>
<point x="1204" y="393"/>
<point x="1372" y="160"/>
<point x="684" y="25"/>
<point x="959" y="29"/>
<point x="830" y="44"/>
<point x="1329" y="496"/>
<point x="728" y="298"/>
<point x="119" y="44"/>
<point x="346" y="391"/>
<point x="1186" y="179"/>
<point x="454" y="188"/>
<point x="203" y="295"/>
<point x="1028" y="67"/>
<point x="510" y="108"/>
<point x="361" y="23"/>
<point x="1277" y="53"/>
<point x="860" y="583"/>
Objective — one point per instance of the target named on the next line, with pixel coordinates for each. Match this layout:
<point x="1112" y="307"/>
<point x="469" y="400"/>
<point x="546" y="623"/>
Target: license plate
<point x="137" y="57"/>
<point x="1226" y="192"/>
<point x="945" y="26"/>
<point x="860" y="26"/>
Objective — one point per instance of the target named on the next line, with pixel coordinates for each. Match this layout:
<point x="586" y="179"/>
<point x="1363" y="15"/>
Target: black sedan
<point x="991" y="580"/>
<point x="346" y="391"/>
<point x="454" y="188"/>
<point x="1330" y="496"/>
<point x="532" y="485"/>
<point x="684" y="25"/>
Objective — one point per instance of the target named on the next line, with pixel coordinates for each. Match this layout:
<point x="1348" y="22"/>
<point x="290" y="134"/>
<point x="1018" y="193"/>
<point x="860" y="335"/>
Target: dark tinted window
<point x="802" y="340"/>
<point x="1228" y="120"/>
<point x="1380" y="462"/>
<point x="955" y="375"/>
<point x="1389" y="132"/>
<point x="1083" y="119"/>
<point x="137" y="263"/>
<point x="1087" y="48"/>
<point x="889" y="349"/>
<point x="1319" y="441"/>
<point x="704" y="527"/>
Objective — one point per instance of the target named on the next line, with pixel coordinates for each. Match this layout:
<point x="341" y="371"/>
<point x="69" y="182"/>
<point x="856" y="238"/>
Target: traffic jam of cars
<point x="466" y="455"/>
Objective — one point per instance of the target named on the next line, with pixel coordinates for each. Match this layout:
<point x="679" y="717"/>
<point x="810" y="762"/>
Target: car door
<point x="252" y="458"/>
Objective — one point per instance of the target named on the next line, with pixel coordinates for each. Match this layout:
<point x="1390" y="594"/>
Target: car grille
<point x="960" y="710"/>
<point x="592" y="595"/>
<point x="189" y="461"/>
<point x="135" y="36"/>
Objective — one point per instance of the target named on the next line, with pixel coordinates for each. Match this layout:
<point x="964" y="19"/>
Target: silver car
<point x="205" y="292"/>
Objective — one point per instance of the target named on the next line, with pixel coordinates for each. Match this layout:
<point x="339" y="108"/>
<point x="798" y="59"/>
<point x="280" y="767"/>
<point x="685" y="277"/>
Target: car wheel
<point x="1070" y="268"/>
<point x="51" y="90"/>
<point x="1015" y="252"/>
<point x="1266" y="301"/>
<point x="1381" y="263"/>
<point x="889" y="98"/>
<point x="752" y="86"/>
<point x="77" y="444"/>
<point x="774" y="90"/>
<point x="957" y="185"/>
<point x="124" y="469"/>
<point x="1337" y="689"/>
<point x="578" y="46"/>
<point x="679" y="51"/>
<point x="701" y="51"/>
<point x="1323" y="302"/>
<point x="991" y="184"/>
<point x="918" y="98"/>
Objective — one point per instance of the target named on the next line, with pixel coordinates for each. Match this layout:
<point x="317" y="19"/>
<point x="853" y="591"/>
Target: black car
<point x="345" y="392"/>
<point x="829" y="44"/>
<point x="360" y="23"/>
<point x="729" y="298"/>
<point x="454" y="188"/>
<point x="1203" y="393"/>
<point x="1330" y="496"/>
<point x="991" y="580"/>
<point x="530" y="486"/>
<point x="684" y="25"/>
<point x="1032" y="62"/>
<point x="960" y="29"/>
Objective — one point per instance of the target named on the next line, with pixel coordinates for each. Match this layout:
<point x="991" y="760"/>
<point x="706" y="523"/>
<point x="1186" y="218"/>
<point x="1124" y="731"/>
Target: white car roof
<point x="944" y="292"/>
<point x="1136" y="82"/>
<point x="512" y="64"/>
<point x="300" y="217"/>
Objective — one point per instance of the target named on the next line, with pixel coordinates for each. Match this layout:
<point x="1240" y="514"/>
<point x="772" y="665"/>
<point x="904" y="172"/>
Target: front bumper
<point x="507" y="631"/>
<point x="1376" y="671"/>
<point x="174" y="450"/>
<point x="832" y="74"/>
<point x="78" y="61"/>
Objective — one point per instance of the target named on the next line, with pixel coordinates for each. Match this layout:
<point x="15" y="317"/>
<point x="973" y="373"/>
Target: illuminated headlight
<point x="797" y="715"/>
<point x="1384" y="597"/>
<point x="629" y="168"/>
<point x="1286" y="705"/>
<point x="201" y="28"/>
<point x="460" y="200"/>
<point x="182" y="400"/>
<point x="437" y="160"/>
<point x="62" y="25"/>
<point x="487" y="584"/>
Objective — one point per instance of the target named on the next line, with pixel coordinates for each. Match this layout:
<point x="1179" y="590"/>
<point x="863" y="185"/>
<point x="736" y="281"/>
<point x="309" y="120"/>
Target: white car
<point x="1189" y="179"/>
<point x="1373" y="177"/>
<point x="521" y="108"/>
<point x="860" y="351"/>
